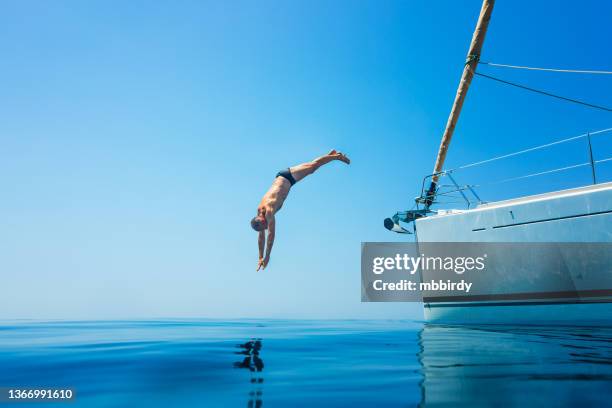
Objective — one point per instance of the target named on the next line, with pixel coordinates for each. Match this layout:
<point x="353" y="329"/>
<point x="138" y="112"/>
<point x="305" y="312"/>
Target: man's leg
<point x="302" y="170"/>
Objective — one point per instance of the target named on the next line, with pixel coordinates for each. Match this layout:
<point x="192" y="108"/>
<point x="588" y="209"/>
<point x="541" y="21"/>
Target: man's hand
<point x="260" y="264"/>
<point x="270" y="238"/>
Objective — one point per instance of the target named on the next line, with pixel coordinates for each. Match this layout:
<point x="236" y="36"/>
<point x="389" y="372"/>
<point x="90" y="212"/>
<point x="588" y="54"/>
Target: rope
<point x="575" y="71"/>
<point x="544" y="93"/>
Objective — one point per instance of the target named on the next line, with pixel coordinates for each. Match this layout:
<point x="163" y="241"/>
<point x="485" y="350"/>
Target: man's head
<point x="259" y="223"/>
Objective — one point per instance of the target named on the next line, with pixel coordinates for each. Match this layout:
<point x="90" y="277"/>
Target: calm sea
<point x="278" y="363"/>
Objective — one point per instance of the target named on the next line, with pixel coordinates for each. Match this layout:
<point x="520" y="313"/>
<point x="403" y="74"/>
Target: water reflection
<point x="254" y="363"/>
<point x="515" y="366"/>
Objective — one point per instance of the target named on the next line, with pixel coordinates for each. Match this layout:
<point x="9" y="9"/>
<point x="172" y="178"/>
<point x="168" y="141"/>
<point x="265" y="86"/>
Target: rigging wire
<point x="574" y="71"/>
<point x="465" y="166"/>
<point x="455" y="189"/>
<point x="603" y="160"/>
<point x="535" y="174"/>
<point x="543" y="92"/>
<point x="543" y="172"/>
<point x="519" y="152"/>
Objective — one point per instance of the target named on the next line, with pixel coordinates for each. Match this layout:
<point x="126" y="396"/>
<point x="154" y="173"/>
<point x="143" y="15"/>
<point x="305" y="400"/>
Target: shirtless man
<point x="273" y="200"/>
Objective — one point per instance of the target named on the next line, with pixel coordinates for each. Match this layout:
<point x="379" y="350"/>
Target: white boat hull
<point x="582" y="215"/>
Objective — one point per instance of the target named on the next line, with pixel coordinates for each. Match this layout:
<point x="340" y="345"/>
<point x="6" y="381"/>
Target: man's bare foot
<point x="339" y="156"/>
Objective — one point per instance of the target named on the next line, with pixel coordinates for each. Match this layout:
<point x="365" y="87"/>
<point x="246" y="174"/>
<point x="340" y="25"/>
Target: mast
<point x="471" y="62"/>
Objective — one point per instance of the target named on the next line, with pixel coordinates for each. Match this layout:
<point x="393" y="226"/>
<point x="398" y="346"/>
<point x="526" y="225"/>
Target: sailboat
<point x="565" y="217"/>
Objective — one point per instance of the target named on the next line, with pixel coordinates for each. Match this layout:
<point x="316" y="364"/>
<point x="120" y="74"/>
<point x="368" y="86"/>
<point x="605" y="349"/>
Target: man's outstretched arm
<point x="261" y="241"/>
<point x="271" y="231"/>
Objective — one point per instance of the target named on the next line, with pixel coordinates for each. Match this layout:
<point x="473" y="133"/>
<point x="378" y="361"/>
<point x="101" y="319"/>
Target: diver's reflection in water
<point x="515" y="366"/>
<point x="253" y="362"/>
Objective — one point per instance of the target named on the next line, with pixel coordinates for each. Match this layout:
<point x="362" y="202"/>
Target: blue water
<point x="246" y="363"/>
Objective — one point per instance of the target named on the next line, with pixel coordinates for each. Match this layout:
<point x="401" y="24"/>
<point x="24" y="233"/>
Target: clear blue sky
<point x="136" y="139"/>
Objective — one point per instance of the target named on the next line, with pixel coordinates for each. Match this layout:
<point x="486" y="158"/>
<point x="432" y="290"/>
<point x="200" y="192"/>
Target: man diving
<point x="273" y="200"/>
